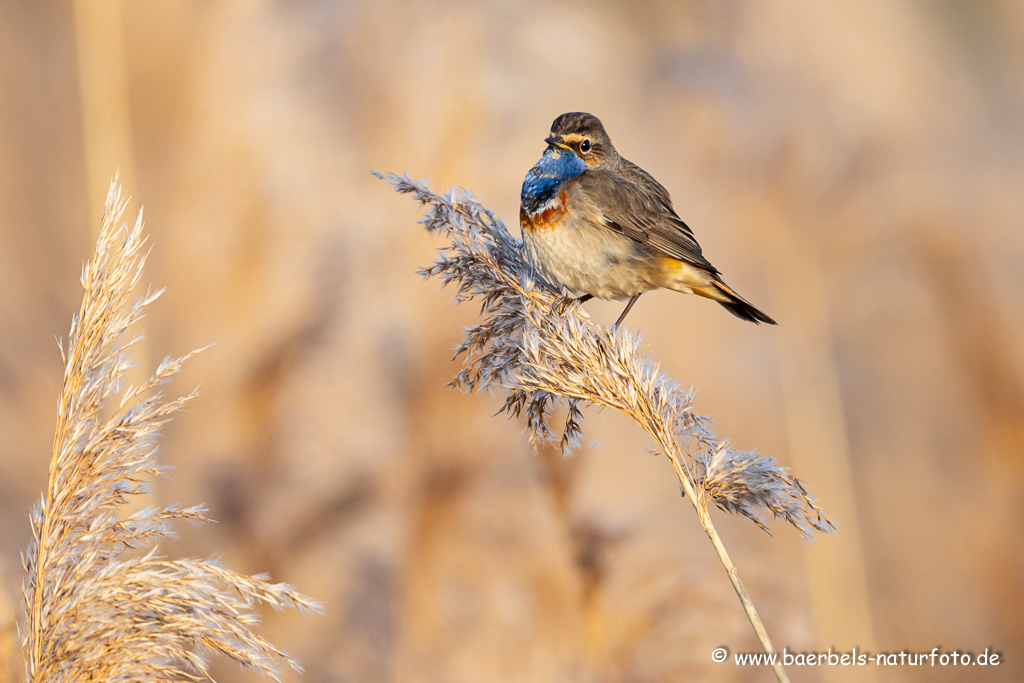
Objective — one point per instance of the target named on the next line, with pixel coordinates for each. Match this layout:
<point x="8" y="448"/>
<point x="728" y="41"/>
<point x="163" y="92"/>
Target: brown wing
<point x="634" y="204"/>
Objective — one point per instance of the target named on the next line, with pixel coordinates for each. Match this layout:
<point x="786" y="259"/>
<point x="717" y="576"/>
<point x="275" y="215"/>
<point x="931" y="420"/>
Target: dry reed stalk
<point x="542" y="348"/>
<point x="101" y="605"/>
<point x="103" y="95"/>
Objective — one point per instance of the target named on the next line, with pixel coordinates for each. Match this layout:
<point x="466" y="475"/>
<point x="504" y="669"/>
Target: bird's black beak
<point x="554" y="142"/>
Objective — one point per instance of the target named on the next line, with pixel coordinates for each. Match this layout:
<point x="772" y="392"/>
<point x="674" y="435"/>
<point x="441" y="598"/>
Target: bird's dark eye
<point x="585" y="146"/>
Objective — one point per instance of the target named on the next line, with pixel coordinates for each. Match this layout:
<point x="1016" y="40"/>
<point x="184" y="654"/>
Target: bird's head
<point x="583" y="135"/>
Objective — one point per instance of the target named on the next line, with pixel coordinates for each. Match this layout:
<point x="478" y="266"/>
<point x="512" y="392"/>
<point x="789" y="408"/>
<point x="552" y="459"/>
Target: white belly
<point x="589" y="259"/>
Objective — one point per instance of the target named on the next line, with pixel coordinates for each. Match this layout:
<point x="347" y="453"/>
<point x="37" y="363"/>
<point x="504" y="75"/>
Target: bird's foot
<point x="563" y="304"/>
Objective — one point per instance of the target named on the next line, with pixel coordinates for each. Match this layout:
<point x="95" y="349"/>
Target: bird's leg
<point x="563" y="304"/>
<point x="628" y="306"/>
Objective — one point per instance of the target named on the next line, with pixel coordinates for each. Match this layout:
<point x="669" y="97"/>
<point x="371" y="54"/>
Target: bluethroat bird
<point x="602" y="226"/>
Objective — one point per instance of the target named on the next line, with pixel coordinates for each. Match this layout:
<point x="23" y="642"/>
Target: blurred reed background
<point x="854" y="168"/>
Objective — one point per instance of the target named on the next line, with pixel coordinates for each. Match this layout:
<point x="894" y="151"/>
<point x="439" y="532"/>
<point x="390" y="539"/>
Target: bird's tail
<point x="734" y="303"/>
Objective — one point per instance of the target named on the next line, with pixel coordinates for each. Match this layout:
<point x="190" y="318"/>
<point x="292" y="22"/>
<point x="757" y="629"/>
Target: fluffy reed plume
<point x="543" y="348"/>
<point x="101" y="604"/>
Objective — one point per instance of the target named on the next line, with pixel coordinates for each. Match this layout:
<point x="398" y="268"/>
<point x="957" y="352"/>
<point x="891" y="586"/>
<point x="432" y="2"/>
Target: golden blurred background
<point x="853" y="168"/>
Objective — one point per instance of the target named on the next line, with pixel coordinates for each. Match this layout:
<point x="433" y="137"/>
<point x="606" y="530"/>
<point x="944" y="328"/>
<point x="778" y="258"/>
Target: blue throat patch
<point x="546" y="177"/>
